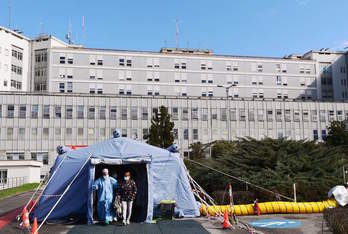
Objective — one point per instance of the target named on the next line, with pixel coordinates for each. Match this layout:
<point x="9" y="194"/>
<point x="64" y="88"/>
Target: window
<point x="22" y="111"/>
<point x="322" y="115"/>
<point x="203" y="66"/>
<point x="69" y="112"/>
<point x="305" y="115"/>
<point x="259" y="68"/>
<point x="260" y="115"/>
<point x="80" y="111"/>
<point x="124" y="113"/>
<point x="195" y="134"/>
<point x="287" y="115"/>
<point x="70" y="60"/>
<point x="204" y="114"/>
<point x="129" y="62"/>
<point x="134" y="113"/>
<point x="91" y="112"/>
<point x="176" y="65"/>
<point x="58" y="112"/>
<point x="58" y="132"/>
<point x="223" y="114"/>
<point x="62" y="59"/>
<point x="102" y="112"/>
<point x="251" y="115"/>
<point x="121" y="61"/>
<point x="34" y="131"/>
<point x="113" y="112"/>
<point x="242" y="116"/>
<point x="34" y="111"/>
<point x="214" y="114"/>
<point x="145" y="113"/>
<point x="100" y="62"/>
<point x="331" y="115"/>
<point x="145" y="133"/>
<point x="46" y="112"/>
<point x="278" y="115"/>
<point x="61" y="87"/>
<point x="175" y="134"/>
<point x="69" y="87"/>
<point x="186" y="134"/>
<point x="183" y="65"/>
<point x="278" y="80"/>
<point x="323" y="134"/>
<point x="0" y="110"/>
<point x="10" y="111"/>
<point x="296" y="115"/>
<point x="80" y="132"/>
<point x="315" y="135"/>
<point x="175" y="113"/>
<point x="184" y="113"/>
<point x="134" y="133"/>
<point x="68" y="132"/>
<point x="194" y="113"/>
<point x="91" y="133"/>
<point x="45" y="132"/>
<point x="9" y="133"/>
<point x="124" y="132"/>
<point x="314" y="115"/>
<point x="21" y="133"/>
<point x="3" y="175"/>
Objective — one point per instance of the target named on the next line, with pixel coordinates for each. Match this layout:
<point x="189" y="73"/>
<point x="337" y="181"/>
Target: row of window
<point x="135" y="113"/>
<point x="16" y="69"/>
<point x="205" y="65"/>
<point x="37" y="156"/>
<point x="17" y="54"/>
<point x="15" y="84"/>
<point x="90" y="132"/>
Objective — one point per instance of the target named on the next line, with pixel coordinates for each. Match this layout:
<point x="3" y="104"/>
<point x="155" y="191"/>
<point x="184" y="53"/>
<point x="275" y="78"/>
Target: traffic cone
<point x="34" y="230"/>
<point x="227" y="224"/>
<point x="25" y="219"/>
<point x="257" y="208"/>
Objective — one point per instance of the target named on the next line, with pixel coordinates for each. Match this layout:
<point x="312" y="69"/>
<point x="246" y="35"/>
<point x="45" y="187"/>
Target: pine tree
<point x="337" y="134"/>
<point x="161" y="130"/>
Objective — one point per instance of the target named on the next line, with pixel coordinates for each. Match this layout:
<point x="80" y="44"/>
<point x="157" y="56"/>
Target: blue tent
<point x="159" y="175"/>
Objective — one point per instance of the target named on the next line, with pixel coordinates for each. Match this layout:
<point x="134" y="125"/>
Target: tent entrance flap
<point x="139" y="175"/>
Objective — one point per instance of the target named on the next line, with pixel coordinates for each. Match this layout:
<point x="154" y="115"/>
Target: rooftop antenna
<point x="83" y="29"/>
<point x="177" y="33"/>
<point x="9" y="14"/>
<point x="41" y="29"/>
<point x="68" y="36"/>
<point x="165" y="43"/>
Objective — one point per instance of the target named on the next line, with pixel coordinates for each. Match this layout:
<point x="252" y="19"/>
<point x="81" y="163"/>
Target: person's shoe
<point x="106" y="222"/>
<point x="128" y="222"/>
<point x="124" y="222"/>
<point x="115" y="219"/>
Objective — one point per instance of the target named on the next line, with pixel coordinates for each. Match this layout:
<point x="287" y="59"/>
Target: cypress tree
<point x="161" y="130"/>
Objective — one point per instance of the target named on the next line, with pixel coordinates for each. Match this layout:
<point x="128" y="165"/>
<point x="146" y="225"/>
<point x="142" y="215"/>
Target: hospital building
<point x="57" y="93"/>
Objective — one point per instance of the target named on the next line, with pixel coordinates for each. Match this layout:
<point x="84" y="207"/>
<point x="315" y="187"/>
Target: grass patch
<point x="337" y="219"/>
<point x="17" y="190"/>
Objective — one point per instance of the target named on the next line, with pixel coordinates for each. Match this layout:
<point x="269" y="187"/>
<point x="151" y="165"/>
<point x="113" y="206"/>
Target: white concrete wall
<point x="19" y="169"/>
<point x="7" y="40"/>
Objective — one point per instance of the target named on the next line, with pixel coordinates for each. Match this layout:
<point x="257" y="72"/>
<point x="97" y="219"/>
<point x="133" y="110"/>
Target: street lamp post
<point x="227" y="88"/>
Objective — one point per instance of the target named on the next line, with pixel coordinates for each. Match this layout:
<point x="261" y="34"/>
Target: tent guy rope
<point x="241" y="180"/>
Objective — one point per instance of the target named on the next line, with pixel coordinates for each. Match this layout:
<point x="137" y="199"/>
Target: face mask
<point x="105" y="177"/>
<point x="126" y="178"/>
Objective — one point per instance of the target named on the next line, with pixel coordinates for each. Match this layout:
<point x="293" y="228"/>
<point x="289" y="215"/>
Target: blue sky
<point x="241" y="27"/>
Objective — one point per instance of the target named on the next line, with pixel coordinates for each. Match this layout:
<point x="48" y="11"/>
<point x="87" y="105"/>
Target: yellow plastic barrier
<point x="278" y="207"/>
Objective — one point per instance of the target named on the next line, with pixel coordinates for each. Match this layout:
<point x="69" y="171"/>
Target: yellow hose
<point x="278" y="207"/>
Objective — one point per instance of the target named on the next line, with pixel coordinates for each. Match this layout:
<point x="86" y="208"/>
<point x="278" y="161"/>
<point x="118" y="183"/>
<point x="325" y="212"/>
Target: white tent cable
<point x="241" y="180"/>
<point x="47" y="183"/>
<point x="67" y="188"/>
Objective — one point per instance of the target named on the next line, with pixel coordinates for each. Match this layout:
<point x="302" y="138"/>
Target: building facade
<point x="73" y="95"/>
<point x="33" y="125"/>
<point x="51" y="65"/>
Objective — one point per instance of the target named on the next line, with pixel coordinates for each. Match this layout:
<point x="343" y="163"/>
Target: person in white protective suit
<point x="105" y="186"/>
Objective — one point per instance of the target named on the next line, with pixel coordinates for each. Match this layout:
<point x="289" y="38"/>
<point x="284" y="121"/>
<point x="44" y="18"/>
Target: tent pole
<point x="67" y="188"/>
<point x="46" y="184"/>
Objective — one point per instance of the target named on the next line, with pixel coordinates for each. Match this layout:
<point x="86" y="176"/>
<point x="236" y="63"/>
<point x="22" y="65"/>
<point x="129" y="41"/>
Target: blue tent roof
<point x="166" y="174"/>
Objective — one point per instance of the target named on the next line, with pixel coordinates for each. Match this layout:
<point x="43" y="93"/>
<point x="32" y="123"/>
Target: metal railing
<point x="6" y="183"/>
